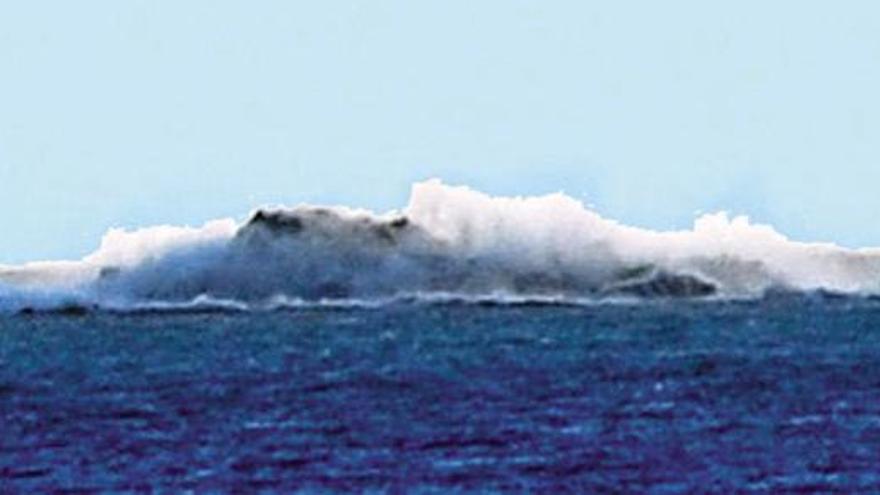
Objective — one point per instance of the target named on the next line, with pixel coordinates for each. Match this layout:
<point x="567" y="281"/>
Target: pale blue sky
<point x="130" y="113"/>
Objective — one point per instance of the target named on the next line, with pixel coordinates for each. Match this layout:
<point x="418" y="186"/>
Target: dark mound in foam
<point x="448" y="240"/>
<point x="324" y="222"/>
<point x="659" y="283"/>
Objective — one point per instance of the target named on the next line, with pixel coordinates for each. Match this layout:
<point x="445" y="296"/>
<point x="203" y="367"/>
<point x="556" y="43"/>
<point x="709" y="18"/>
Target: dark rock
<point x="663" y="284"/>
<point x="399" y="223"/>
<point x="637" y="271"/>
<point x="277" y="222"/>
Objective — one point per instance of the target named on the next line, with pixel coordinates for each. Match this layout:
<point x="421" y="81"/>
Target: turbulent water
<point x="447" y="242"/>
<point x="465" y="343"/>
<point x="777" y="395"/>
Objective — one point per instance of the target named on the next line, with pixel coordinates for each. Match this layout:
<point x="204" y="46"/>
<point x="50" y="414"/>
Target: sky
<point x="135" y="113"/>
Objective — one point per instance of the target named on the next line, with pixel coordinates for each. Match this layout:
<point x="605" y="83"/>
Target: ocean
<point x="779" y="394"/>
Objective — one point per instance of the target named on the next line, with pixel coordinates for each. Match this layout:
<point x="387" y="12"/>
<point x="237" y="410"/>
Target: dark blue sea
<point x="779" y="395"/>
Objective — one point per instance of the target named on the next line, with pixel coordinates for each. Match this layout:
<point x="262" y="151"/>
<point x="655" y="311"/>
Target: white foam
<point x="454" y="241"/>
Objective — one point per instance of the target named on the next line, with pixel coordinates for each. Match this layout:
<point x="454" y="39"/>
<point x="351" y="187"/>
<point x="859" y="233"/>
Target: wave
<point x="448" y="242"/>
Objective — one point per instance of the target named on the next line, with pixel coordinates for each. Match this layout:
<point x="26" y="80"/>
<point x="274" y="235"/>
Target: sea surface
<point x="778" y="395"/>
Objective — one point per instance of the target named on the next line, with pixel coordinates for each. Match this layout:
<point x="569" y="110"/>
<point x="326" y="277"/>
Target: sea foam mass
<point x="448" y="243"/>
